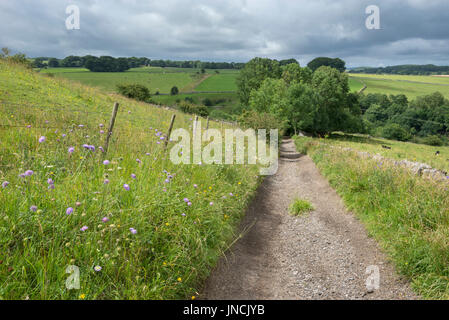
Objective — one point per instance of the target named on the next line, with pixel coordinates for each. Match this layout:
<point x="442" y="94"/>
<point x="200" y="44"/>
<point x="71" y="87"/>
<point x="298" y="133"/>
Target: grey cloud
<point x="412" y="31"/>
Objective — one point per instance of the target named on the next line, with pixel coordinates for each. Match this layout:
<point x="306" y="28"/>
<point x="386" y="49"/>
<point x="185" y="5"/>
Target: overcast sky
<point x="411" y="31"/>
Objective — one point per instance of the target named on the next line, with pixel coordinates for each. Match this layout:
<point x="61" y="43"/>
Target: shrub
<point x="134" y="91"/>
<point x="174" y="90"/>
<point x="395" y="131"/>
<point x="433" y="141"/>
<point x="207" y="102"/>
<point x="194" y="109"/>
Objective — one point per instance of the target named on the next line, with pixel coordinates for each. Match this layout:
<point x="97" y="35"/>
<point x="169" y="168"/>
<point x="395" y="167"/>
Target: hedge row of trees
<point x="407" y="69"/>
<point x="424" y="119"/>
<point x="317" y="102"/>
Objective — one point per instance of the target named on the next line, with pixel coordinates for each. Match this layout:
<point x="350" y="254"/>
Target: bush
<point x="255" y="120"/>
<point x="395" y="131"/>
<point x="194" y="109"/>
<point x="174" y="90"/>
<point x="134" y="91"/>
<point x="433" y="141"/>
<point x="207" y="102"/>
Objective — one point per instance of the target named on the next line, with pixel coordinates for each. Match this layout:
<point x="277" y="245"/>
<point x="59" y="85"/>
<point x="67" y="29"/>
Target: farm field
<point x="219" y="82"/>
<point x="411" y="86"/>
<point x="406" y="214"/>
<point x="136" y="226"/>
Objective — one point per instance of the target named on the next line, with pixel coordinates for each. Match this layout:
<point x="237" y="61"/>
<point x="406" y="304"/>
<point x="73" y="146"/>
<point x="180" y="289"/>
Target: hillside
<point x="136" y="226"/>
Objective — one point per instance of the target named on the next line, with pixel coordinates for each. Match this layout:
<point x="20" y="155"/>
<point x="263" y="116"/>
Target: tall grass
<point x="408" y="215"/>
<point x="157" y="240"/>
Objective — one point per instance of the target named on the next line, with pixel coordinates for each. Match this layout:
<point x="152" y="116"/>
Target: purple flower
<point x="231" y="194"/>
<point x="81" y="125"/>
<point x="29" y="126"/>
<point x="69" y="211"/>
<point x="183" y="214"/>
<point x="126" y="186"/>
<point x="97" y="268"/>
<point x="106" y="181"/>
<point x="50" y="181"/>
<point x="186" y="200"/>
<point x="167" y="180"/>
<point x="105" y="219"/>
<point x="71" y="149"/>
<point x="101" y="148"/>
<point x="101" y="125"/>
<point x="133" y="176"/>
<point x="64" y="135"/>
<point x="101" y="131"/>
<point x="92" y="148"/>
<point x="211" y="203"/>
<point x="51" y="187"/>
<point x="147" y="153"/>
<point x="86" y="146"/>
<point x="189" y="203"/>
<point x="162" y="138"/>
<point x="33" y="208"/>
<point x="138" y="161"/>
<point x="195" y="186"/>
<point x="29" y="173"/>
<point x="133" y="231"/>
<point x="106" y="162"/>
<point x="5" y="184"/>
<point x="84" y="228"/>
<point x="158" y="142"/>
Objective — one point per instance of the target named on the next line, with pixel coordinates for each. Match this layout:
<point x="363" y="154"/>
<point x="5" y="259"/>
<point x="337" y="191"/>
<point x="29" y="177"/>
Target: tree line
<point x="406" y="69"/>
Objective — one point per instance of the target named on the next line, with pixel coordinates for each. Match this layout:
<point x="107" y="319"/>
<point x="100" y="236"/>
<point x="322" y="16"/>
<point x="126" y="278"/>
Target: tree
<point x="174" y="90"/>
<point x="253" y="74"/>
<point x="53" y="63"/>
<point x="134" y="91"/>
<point x="294" y="73"/>
<point x="271" y="97"/>
<point x="302" y="108"/>
<point x="336" y="63"/>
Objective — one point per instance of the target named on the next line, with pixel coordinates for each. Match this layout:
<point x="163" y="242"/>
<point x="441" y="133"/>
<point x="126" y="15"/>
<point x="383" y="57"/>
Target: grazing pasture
<point x="135" y="225"/>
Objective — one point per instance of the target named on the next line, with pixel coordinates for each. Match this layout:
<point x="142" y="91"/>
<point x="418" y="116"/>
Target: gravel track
<point x="320" y="255"/>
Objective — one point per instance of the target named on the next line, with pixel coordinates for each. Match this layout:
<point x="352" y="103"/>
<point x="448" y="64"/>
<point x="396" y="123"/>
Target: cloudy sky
<point x="411" y="31"/>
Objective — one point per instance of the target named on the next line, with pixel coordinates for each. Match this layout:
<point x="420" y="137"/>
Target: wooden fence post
<point x="111" y="126"/>
<point x="169" y="131"/>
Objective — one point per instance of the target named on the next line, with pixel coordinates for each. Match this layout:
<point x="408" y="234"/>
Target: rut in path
<point x="320" y="255"/>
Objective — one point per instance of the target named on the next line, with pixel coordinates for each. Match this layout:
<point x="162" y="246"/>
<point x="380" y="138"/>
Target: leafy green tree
<point x="174" y="90"/>
<point x="294" y="73"/>
<point x="303" y="107"/>
<point x="271" y="97"/>
<point x="253" y="74"/>
<point x="336" y="63"/>
<point x="53" y="63"/>
<point x="134" y="91"/>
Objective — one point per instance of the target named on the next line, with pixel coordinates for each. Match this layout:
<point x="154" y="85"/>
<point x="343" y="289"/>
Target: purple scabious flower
<point x="101" y="148"/>
<point x="133" y="231"/>
<point x="138" y="160"/>
<point x="106" y="162"/>
<point x="105" y="219"/>
<point x="42" y="139"/>
<point x="5" y="184"/>
<point x="101" y="125"/>
<point x="33" y="208"/>
<point x="71" y="149"/>
<point x="189" y="203"/>
<point x="86" y="146"/>
<point x="126" y="187"/>
<point x="69" y="211"/>
<point x="231" y="194"/>
<point x="211" y="203"/>
<point x="186" y="200"/>
<point x="92" y="148"/>
<point x="183" y="214"/>
<point x="81" y="125"/>
<point x="64" y="135"/>
<point x="106" y="181"/>
<point x="101" y="131"/>
<point x="195" y="186"/>
<point x="84" y="228"/>
<point x="50" y="181"/>
<point x="133" y="176"/>
<point x="147" y="153"/>
<point x="29" y="173"/>
<point x="167" y="180"/>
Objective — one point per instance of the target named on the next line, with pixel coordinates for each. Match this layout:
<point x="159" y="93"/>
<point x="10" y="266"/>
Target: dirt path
<point x="322" y="255"/>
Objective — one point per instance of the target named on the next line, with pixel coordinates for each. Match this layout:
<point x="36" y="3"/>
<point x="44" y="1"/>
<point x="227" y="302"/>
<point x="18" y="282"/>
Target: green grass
<point x="406" y="214"/>
<point x="354" y="84"/>
<point x="219" y="82"/>
<point x="411" y="86"/>
<point x="399" y="150"/>
<point x="300" y="206"/>
<point x="175" y="246"/>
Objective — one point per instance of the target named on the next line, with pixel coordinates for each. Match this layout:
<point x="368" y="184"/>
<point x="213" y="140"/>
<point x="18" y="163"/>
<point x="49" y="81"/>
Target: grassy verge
<point x="139" y="226"/>
<point x="407" y="215"/>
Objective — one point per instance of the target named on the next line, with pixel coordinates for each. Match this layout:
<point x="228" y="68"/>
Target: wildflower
<point x="101" y="125"/>
<point x="133" y="231"/>
<point x="84" y="228"/>
<point x="167" y="180"/>
<point x="29" y="173"/>
<point x="183" y="214"/>
<point x="97" y="268"/>
<point x="138" y="161"/>
<point x="42" y="139"/>
<point x="186" y="200"/>
<point x="106" y="162"/>
<point x="86" y="146"/>
<point x="105" y="219"/>
<point x="78" y="203"/>
<point x="81" y="125"/>
<point x="189" y="203"/>
<point x="193" y="297"/>
<point x="126" y="186"/>
<point x="231" y="194"/>
<point x="69" y="211"/>
<point x="64" y="135"/>
<point x="50" y="181"/>
<point x="71" y="149"/>
<point x="179" y="280"/>
<point x="195" y="186"/>
<point x="101" y="148"/>
<point x="147" y="153"/>
<point x="92" y="148"/>
<point x="133" y="176"/>
<point x="211" y="203"/>
<point x="239" y="182"/>
<point x="106" y="181"/>
<point x="51" y="187"/>
<point x="101" y="131"/>
<point x="5" y="184"/>
<point x="33" y="208"/>
<point x="82" y="296"/>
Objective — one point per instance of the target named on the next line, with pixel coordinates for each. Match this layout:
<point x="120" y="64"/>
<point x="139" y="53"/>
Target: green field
<point x="126" y="223"/>
<point x="411" y="86"/>
<point x="219" y="82"/>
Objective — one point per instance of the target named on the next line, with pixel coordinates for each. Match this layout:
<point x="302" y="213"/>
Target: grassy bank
<point x="407" y="215"/>
<point x="136" y="226"/>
